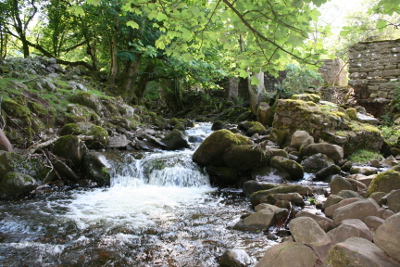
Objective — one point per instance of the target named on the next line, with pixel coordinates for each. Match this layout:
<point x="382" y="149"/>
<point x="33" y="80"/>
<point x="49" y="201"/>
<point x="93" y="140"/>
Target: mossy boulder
<point x="211" y="151"/>
<point x="257" y="197"/>
<point x="88" y="100"/>
<point x="385" y="182"/>
<point x="307" y="97"/>
<point x="252" y="127"/>
<point x="223" y="176"/>
<point x="79" y="113"/>
<point x="13" y="162"/>
<point x="70" y="148"/>
<point x="12" y="108"/>
<point x="293" y="168"/>
<point x="246" y="157"/>
<point x="98" y="169"/>
<point x="15" y="184"/>
<point x="175" y="140"/>
<point x="99" y="136"/>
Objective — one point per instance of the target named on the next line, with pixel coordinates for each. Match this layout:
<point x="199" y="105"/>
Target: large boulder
<point x="211" y="151"/>
<point x="13" y="162"/>
<point x="349" y="228"/>
<point x="387" y="236"/>
<point x="257" y="197"/>
<point x="235" y="258"/>
<point x="15" y="184"/>
<point x="339" y="183"/>
<point x="98" y="168"/>
<point x="385" y="182"/>
<point x="356" y="210"/>
<point x="358" y="252"/>
<point x="334" y="152"/>
<point x="249" y="187"/>
<point x="245" y="157"/>
<point x="393" y="200"/>
<point x="70" y="148"/>
<point x="307" y="231"/>
<point x="289" y="254"/>
<point x="294" y="169"/>
<point x="325" y="223"/>
<point x="95" y="137"/>
<point x="329" y="211"/>
<point x="315" y="163"/>
<point x="262" y="219"/>
<point x="301" y="139"/>
<point x="88" y="100"/>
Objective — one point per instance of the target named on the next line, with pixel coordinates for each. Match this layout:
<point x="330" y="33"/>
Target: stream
<point x="160" y="210"/>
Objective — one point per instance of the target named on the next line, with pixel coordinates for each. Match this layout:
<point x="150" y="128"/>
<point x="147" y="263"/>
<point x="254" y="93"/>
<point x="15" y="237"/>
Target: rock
<point x="350" y="228"/>
<point x="63" y="170"/>
<point x="393" y="200"/>
<point x="262" y="219"/>
<point x="245" y="157"/>
<point x="358" y="252"/>
<point x="255" y="198"/>
<point x="253" y="127"/>
<point x="385" y="182"/>
<point x="373" y="222"/>
<point x="289" y="254"/>
<point x="265" y="114"/>
<point x="389" y="162"/>
<point x="294" y="198"/>
<point x="222" y="175"/>
<point x="365" y="179"/>
<point x="363" y="170"/>
<point x="387" y="237"/>
<point x="334" y="152"/>
<point x="325" y="223"/>
<point x="294" y="169"/>
<point x="326" y="173"/>
<point x="339" y="183"/>
<point x="96" y="136"/>
<point x="211" y="151"/>
<point x="5" y="143"/>
<point x="235" y="258"/>
<point x="97" y="168"/>
<point x="378" y="196"/>
<point x="385" y="214"/>
<point x="307" y="231"/>
<point x="349" y="194"/>
<point x="331" y="209"/>
<point x="88" y="100"/>
<point x="119" y="141"/>
<point x="218" y="125"/>
<point x="249" y="187"/>
<point x="331" y="200"/>
<point x="70" y="148"/>
<point x="175" y="140"/>
<point x="15" y="184"/>
<point x="301" y="139"/>
<point x="315" y="163"/>
<point x="14" y="162"/>
<point x="356" y="210"/>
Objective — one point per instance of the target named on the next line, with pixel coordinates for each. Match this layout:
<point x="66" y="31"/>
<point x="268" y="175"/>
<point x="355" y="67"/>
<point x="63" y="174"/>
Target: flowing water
<point x="160" y="210"/>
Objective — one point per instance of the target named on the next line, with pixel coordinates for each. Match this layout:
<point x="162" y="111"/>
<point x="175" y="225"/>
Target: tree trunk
<point x="129" y="78"/>
<point x="140" y="88"/>
<point x="234" y="88"/>
<point x="172" y="91"/>
<point x="114" y="60"/>
<point x="256" y="91"/>
<point x="4" y="142"/>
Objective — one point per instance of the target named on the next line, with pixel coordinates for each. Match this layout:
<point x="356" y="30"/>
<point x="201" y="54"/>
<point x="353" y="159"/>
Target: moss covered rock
<point x="175" y="140"/>
<point x="15" y="184"/>
<point x="70" y="148"/>
<point x="294" y="169"/>
<point x="385" y="182"/>
<point x="97" y="168"/>
<point x="88" y="100"/>
<point x="246" y="157"/>
<point x="99" y="136"/>
<point x="13" y="162"/>
<point x="256" y="197"/>
<point x="211" y="151"/>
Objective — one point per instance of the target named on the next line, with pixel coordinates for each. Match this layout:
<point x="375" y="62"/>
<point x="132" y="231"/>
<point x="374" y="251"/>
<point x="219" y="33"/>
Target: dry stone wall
<point x="374" y="69"/>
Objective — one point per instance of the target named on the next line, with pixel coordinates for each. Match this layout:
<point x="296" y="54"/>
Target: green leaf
<point x="132" y="24"/>
<point x="254" y="80"/>
<point x="243" y="73"/>
<point x="78" y="10"/>
<point x="381" y="24"/>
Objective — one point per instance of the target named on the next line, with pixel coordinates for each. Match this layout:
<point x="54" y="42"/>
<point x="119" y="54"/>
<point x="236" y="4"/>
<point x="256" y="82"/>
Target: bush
<point x="300" y="78"/>
<point x="363" y="156"/>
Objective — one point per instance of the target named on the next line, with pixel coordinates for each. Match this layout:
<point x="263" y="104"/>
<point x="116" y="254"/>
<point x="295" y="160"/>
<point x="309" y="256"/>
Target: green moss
<point x="352" y="113"/>
<point x="14" y="109"/>
<point x="389" y="174"/>
<point x="363" y="156"/>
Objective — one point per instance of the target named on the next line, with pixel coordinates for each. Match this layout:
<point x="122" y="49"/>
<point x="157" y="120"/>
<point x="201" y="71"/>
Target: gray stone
<point x="331" y="200"/>
<point x="294" y="198"/>
<point x="349" y="194"/>
<point x="327" y="172"/>
<point x="301" y="138"/>
<point x="15" y="184"/>
<point x="356" y="210"/>
<point x="373" y="222"/>
<point x="339" y="183"/>
<point x="363" y="170"/>
<point x="378" y="196"/>
<point x="387" y="236"/>
<point x="252" y="186"/>
<point x="334" y="152"/>
<point x="315" y="163"/>
<point x="255" y="198"/>
<point x="235" y="258"/>
<point x="358" y="252"/>
<point x="118" y="141"/>
<point x="393" y="200"/>
<point x="294" y="169"/>
<point x="289" y="254"/>
<point x="331" y="209"/>
<point x="350" y="228"/>
<point x="307" y="231"/>
<point x="325" y="223"/>
<point x="385" y="182"/>
<point x="262" y="219"/>
<point x="175" y="140"/>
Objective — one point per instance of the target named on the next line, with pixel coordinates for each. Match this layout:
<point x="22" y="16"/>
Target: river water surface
<point x="160" y="210"/>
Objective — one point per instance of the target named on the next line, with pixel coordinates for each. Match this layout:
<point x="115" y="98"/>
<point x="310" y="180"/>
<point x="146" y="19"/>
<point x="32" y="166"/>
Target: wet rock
<point x="262" y="219"/>
<point x="98" y="169"/>
<point x="119" y="141"/>
<point x="387" y="237"/>
<point x="235" y="258"/>
<point x="175" y="140"/>
<point x="356" y="210"/>
<point x="315" y="163"/>
<point x="252" y="127"/>
<point x="212" y="149"/>
<point x="301" y="139"/>
<point x="389" y="162"/>
<point x="70" y="148"/>
<point x="350" y="228"/>
<point x="393" y="200"/>
<point x="15" y="184"/>
<point x="63" y="170"/>
<point x="255" y="198"/>
<point x="334" y="152"/>
<point x="327" y="172"/>
<point x="14" y="162"/>
<point x="331" y="209"/>
<point x="307" y="231"/>
<point x="218" y="125"/>
<point x="363" y="170"/>
<point x="294" y="198"/>
<point x="294" y="169"/>
<point x="385" y="182"/>
<point x="325" y="223"/>
<point x="222" y="175"/>
<point x="358" y="252"/>
<point x="289" y="254"/>
<point x="245" y="157"/>
<point x="339" y="183"/>
<point x="96" y="137"/>
<point x="249" y="187"/>
<point x="373" y="222"/>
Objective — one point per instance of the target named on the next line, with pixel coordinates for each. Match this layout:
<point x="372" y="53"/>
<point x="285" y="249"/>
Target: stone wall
<point x="374" y="69"/>
<point x="333" y="72"/>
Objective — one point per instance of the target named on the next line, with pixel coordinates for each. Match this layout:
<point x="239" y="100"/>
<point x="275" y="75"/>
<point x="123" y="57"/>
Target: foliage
<point x="363" y="156"/>
<point x="390" y="134"/>
<point x="300" y="78"/>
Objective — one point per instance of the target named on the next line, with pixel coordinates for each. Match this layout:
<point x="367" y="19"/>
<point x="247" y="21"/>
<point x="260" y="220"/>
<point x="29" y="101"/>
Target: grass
<point x="363" y="156"/>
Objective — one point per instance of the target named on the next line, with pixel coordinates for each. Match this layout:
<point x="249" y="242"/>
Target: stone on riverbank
<point x="349" y="228"/>
<point x="15" y="184"/>
<point x="356" y="210"/>
<point x="385" y="182"/>
<point x="235" y="258"/>
<point x="387" y="237"/>
<point x="256" y="198"/>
